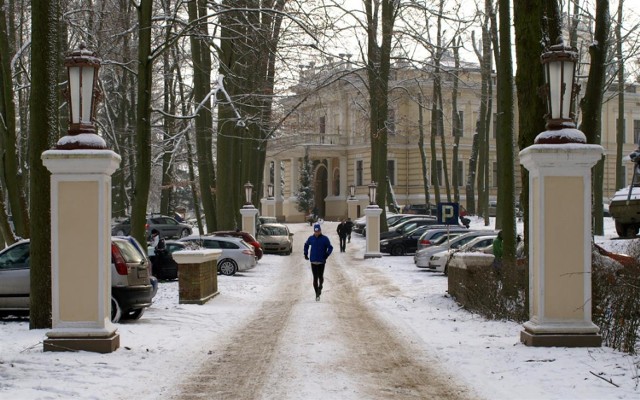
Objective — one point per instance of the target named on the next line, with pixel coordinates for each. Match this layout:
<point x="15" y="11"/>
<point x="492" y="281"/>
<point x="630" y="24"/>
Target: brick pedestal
<point x="197" y="275"/>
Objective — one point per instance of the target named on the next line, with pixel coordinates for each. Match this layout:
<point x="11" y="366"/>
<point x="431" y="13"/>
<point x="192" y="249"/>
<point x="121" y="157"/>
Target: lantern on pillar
<point x="560" y="92"/>
<point x="352" y="191"/>
<point x="270" y="191"/>
<point x="82" y="95"/>
<point x="248" y="191"/>
<point x="372" y="192"/>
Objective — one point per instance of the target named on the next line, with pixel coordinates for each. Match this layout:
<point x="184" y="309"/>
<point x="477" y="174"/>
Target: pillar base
<point x="372" y="255"/>
<point x="94" y="344"/>
<point x="560" y="340"/>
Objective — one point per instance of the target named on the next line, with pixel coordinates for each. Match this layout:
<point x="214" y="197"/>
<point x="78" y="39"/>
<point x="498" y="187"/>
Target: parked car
<point x="407" y="226"/>
<point x="403" y="244"/>
<point x="247" y="237"/>
<point x="267" y="220"/>
<point x="167" y="226"/>
<point x="438" y="262"/>
<point x="131" y="281"/>
<point x="275" y="238"/>
<point x="360" y="224"/>
<point x="422" y="257"/>
<point x="435" y="232"/>
<point x="163" y="265"/>
<point x="237" y="255"/>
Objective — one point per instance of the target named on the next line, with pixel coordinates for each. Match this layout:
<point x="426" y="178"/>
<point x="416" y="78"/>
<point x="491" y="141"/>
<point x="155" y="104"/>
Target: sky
<point x="171" y="340"/>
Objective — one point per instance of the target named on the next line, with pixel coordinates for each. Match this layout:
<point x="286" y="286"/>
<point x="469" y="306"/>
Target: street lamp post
<point x="372" y="213"/>
<point x="81" y="167"/>
<point x="270" y="191"/>
<point x="352" y="191"/>
<point x="559" y="164"/>
<point x="352" y="203"/>
<point x="249" y="211"/>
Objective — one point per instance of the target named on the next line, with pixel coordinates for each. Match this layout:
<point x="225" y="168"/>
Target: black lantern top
<point x="372" y="192"/>
<point x="82" y="95"/>
<point x="560" y="92"/>
<point x="248" y="192"/>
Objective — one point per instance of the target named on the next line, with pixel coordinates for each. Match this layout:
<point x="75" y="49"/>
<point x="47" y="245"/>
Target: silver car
<point x="132" y="286"/>
<point x="275" y="238"/>
<point x="237" y="255"/>
<point x="422" y="257"/>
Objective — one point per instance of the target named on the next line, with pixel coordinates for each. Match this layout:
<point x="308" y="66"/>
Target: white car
<point x="438" y="262"/>
<point x="422" y="256"/>
<point x="237" y="255"/>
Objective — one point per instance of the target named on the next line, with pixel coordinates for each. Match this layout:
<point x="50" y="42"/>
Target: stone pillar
<point x="560" y="245"/>
<point x="198" y="272"/>
<point x="277" y="178"/>
<point x="344" y="191"/>
<point x="295" y="178"/>
<point x="249" y="213"/>
<point x="81" y="250"/>
<point x="373" y="231"/>
<point x="352" y="208"/>
<point x="268" y="207"/>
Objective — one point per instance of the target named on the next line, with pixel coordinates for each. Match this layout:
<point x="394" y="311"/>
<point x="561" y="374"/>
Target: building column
<point x="81" y="250"/>
<point x="560" y="245"/>
<point x="295" y="175"/>
<point x="343" y="177"/>
<point x="372" y="213"/>
<point x="277" y="177"/>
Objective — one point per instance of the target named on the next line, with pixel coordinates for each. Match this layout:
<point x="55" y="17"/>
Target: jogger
<point x="320" y="250"/>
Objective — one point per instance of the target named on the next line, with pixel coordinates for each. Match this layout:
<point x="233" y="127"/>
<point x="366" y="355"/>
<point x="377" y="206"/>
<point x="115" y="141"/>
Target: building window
<point x="494" y="175"/>
<point x="359" y="170"/>
<point x="636" y="131"/>
<point x="436" y="172"/>
<point x="323" y="124"/>
<point x="460" y="129"/>
<point x="624" y="129"/>
<point x="460" y="171"/>
<point x="391" y="171"/>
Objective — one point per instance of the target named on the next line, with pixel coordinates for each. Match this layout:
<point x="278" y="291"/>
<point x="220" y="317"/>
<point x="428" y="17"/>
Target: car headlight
<point x="384" y="242"/>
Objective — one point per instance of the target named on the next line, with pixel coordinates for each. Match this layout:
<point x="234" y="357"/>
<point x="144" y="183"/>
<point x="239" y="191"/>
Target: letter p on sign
<point x="448" y="213"/>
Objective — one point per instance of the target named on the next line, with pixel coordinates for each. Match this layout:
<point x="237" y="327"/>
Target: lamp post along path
<point x="559" y="164"/>
<point x="81" y="167"/>
<point x="372" y="213"/>
<point x="248" y="212"/>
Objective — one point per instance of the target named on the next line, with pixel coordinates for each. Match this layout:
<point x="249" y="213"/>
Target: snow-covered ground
<point x="171" y="339"/>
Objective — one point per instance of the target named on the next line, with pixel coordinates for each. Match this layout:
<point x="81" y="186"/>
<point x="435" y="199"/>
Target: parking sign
<point x="448" y="213"/>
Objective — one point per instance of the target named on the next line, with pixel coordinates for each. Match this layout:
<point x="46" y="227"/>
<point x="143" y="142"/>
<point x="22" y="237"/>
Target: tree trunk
<point x="591" y="105"/>
<point x="45" y="15"/>
<point x="505" y="139"/>
<point x="529" y="28"/>
<point x="423" y="153"/>
<point x="620" y="183"/>
<point x="11" y="177"/>
<point x="143" y="124"/>
<point x="457" y="123"/>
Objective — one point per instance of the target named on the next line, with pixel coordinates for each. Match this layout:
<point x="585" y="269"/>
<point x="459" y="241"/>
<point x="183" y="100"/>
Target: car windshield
<point x="273" y="231"/>
<point x="128" y="251"/>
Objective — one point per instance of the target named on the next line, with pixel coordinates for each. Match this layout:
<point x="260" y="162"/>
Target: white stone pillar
<point x="295" y="175"/>
<point x="249" y="213"/>
<point x="372" y="213"/>
<point x="81" y="250"/>
<point x="352" y="208"/>
<point x="560" y="245"/>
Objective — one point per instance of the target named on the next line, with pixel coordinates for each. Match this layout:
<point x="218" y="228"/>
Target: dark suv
<point x="167" y="226"/>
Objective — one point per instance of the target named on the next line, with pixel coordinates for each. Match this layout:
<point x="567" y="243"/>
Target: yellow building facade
<point x="329" y="121"/>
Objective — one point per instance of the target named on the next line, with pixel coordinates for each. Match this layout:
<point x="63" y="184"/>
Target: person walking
<point x="342" y="234"/>
<point x="320" y="250"/>
<point x="349" y="225"/>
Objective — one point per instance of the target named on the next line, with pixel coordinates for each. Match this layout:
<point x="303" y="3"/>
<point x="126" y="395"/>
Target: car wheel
<point x="398" y="250"/>
<point x="227" y="267"/>
<point x="185" y="232"/>
<point x="116" y="311"/>
<point x="133" y="314"/>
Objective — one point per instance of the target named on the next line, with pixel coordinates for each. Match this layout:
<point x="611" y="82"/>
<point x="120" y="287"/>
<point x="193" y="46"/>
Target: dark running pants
<point x="318" y="277"/>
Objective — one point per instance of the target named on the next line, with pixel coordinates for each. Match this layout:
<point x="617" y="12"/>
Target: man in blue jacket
<point x="320" y="250"/>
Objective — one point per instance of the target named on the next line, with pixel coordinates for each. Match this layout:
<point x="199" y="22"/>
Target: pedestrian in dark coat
<point x="349" y="225"/>
<point x="342" y="234"/>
